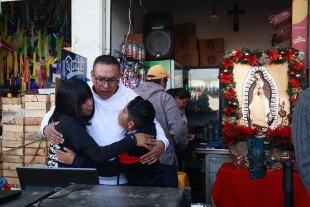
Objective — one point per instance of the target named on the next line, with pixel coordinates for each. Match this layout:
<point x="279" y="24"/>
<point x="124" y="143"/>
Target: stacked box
<point x="211" y="51"/>
<point x="36" y="146"/>
<point x="53" y="98"/>
<point x="12" y="137"/>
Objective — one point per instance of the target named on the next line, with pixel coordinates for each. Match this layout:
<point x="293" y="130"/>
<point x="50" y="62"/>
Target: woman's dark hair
<point x="141" y="112"/>
<point x="179" y="92"/>
<point x="70" y="96"/>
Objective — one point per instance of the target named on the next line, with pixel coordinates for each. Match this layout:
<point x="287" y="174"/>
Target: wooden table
<point x="234" y="188"/>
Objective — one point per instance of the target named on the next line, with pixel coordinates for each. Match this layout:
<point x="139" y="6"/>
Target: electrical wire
<point x="129" y="17"/>
<point x="77" y="189"/>
<point x="142" y="6"/>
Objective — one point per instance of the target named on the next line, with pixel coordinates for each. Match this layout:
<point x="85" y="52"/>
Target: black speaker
<point x="158" y="35"/>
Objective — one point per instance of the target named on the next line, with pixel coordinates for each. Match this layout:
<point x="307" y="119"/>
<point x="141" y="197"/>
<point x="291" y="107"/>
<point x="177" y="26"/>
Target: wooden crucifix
<point x="236" y="13"/>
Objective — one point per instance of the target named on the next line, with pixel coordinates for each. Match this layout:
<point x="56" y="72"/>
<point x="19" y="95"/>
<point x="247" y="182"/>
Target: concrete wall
<point x="254" y="27"/>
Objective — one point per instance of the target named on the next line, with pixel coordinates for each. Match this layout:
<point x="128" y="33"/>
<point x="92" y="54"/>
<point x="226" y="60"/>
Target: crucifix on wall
<point x="236" y="12"/>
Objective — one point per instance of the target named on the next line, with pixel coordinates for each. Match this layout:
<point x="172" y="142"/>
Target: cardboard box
<point x="13" y="136"/>
<point x="184" y="30"/>
<point x="187" y="57"/>
<point x="12" y="143"/>
<point x="35" y="159"/>
<point x="33" y="136"/>
<point x="33" y="128"/>
<point x="12" y="128"/>
<point x="138" y="38"/>
<point x="186" y="43"/>
<point x="12" y="151"/>
<point x="35" y="151"/>
<point x="37" y="98"/>
<point x="33" y="143"/>
<point x="33" y="121"/>
<point x="210" y="59"/>
<point x="13" y="100"/>
<point x="37" y="105"/>
<point x="9" y="173"/>
<point x="211" y="45"/>
<point x="11" y="107"/>
<point x="16" y="121"/>
<point x="35" y="112"/>
<point x="13" y="158"/>
<point x="11" y="166"/>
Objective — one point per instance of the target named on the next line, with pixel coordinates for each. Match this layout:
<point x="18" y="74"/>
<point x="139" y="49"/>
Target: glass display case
<point x="202" y="110"/>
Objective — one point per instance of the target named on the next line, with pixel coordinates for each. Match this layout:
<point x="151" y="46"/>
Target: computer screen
<point x="55" y="179"/>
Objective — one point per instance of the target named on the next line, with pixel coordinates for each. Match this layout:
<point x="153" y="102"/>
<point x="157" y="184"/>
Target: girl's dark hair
<point x="180" y="92"/>
<point x="141" y="112"/>
<point x="70" y="96"/>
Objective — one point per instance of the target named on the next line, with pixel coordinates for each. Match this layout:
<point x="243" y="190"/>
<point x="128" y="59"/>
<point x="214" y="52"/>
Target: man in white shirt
<point x="110" y="96"/>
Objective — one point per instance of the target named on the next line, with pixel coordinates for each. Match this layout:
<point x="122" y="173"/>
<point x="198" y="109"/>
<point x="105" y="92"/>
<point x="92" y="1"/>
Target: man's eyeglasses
<point x="111" y="82"/>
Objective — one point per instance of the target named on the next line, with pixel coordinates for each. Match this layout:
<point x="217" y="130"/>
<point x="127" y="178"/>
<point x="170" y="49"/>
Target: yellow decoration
<point x="34" y="64"/>
<point x="9" y="95"/>
<point x="15" y="64"/>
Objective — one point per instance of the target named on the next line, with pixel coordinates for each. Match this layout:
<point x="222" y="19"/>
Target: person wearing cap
<point x="110" y="97"/>
<point x="169" y="117"/>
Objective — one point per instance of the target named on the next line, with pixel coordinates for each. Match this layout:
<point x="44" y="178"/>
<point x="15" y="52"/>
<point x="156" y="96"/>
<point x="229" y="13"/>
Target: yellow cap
<point x="157" y="72"/>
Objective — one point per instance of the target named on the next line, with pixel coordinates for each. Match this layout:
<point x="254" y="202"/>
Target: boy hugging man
<point x="136" y="117"/>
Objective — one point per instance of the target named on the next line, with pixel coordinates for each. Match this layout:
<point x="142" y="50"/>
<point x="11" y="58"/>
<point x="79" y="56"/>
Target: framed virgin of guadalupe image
<point x="260" y="88"/>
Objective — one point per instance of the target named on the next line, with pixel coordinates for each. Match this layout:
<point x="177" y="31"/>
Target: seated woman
<point x="74" y="110"/>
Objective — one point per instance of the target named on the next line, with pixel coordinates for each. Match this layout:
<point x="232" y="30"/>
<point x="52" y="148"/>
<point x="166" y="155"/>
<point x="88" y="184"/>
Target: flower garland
<point x="257" y="58"/>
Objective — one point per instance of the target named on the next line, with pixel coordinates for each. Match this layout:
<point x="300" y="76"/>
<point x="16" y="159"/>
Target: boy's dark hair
<point x="70" y="96"/>
<point x="141" y="112"/>
<point x="179" y="92"/>
<point x="106" y="60"/>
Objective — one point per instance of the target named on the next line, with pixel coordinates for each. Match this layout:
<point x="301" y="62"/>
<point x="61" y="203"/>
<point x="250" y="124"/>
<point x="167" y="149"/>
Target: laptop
<point x="55" y="179"/>
<point x="7" y="195"/>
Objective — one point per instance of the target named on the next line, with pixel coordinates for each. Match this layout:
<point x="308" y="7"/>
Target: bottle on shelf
<point x="139" y="53"/>
<point x="142" y="52"/>
<point x="134" y="49"/>
<point x="216" y="130"/>
<point x="123" y="48"/>
<point x="210" y="131"/>
<point x="129" y="49"/>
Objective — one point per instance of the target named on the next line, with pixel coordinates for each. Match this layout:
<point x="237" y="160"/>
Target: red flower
<point x="229" y="110"/>
<point x="289" y="54"/>
<point x="294" y="100"/>
<point x="233" y="133"/>
<point x="298" y="66"/>
<point x="253" y="60"/>
<point x="227" y="63"/>
<point x="238" y="55"/>
<point x="227" y="78"/>
<point x="295" y="83"/>
<point x="273" y="55"/>
<point x="230" y="93"/>
<point x="280" y="136"/>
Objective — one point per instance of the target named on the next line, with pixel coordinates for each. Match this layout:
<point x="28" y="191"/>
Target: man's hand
<point x="145" y="140"/>
<point x="52" y="135"/>
<point x="153" y="155"/>
<point x="65" y="157"/>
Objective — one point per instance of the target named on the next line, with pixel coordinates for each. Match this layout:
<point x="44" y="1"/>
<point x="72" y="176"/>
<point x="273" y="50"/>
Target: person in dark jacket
<point x="136" y="117"/>
<point x="169" y="117"/>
